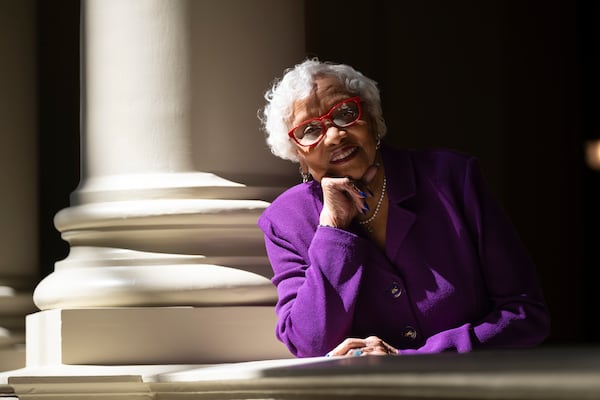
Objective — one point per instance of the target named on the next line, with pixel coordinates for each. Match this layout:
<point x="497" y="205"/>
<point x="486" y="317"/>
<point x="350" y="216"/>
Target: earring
<point x="305" y="175"/>
<point x="378" y="144"/>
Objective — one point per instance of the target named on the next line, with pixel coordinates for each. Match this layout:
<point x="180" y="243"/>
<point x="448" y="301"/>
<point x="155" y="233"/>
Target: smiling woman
<point x="386" y="251"/>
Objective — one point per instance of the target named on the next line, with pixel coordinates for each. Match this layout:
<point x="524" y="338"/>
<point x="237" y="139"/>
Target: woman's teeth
<point x="343" y="154"/>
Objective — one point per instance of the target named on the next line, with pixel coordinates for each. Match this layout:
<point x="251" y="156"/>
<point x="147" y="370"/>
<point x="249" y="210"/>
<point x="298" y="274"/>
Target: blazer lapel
<point x="400" y="173"/>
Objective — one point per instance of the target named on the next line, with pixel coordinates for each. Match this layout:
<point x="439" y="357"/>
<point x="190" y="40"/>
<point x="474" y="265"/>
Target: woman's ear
<point x="377" y="141"/>
<point x="303" y="169"/>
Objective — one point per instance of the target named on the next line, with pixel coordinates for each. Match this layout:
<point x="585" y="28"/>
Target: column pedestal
<point x="152" y="336"/>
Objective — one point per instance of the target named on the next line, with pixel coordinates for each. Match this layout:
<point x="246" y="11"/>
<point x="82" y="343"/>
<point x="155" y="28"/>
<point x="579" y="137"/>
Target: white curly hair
<point x="297" y="83"/>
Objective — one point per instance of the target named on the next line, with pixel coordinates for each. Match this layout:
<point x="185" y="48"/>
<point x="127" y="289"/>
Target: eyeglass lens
<point x="341" y="116"/>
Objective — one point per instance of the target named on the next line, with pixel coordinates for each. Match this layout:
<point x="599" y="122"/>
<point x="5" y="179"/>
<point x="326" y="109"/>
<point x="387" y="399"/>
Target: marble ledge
<point x="545" y="373"/>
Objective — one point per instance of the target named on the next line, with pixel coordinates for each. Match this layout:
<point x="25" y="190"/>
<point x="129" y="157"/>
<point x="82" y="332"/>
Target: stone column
<point x="18" y="176"/>
<point x="166" y="263"/>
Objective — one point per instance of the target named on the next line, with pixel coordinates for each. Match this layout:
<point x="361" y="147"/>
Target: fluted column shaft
<point x="175" y="171"/>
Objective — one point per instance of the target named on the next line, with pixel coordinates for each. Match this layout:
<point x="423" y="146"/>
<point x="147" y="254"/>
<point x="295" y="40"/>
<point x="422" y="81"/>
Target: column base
<point x="152" y="335"/>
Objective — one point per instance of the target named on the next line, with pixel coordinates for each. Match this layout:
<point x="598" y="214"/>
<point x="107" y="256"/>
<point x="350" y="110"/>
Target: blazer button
<point x="395" y="290"/>
<point x="410" y="333"/>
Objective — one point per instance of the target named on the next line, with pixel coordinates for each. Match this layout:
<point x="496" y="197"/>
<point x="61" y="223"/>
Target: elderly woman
<point x="383" y="251"/>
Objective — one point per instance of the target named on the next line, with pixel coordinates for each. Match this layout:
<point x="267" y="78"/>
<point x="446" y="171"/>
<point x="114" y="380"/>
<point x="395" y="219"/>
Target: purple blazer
<point x="454" y="275"/>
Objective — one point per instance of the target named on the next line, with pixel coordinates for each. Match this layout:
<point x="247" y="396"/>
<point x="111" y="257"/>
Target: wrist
<point x="324" y="220"/>
<point x="327" y="219"/>
<point x="330" y="224"/>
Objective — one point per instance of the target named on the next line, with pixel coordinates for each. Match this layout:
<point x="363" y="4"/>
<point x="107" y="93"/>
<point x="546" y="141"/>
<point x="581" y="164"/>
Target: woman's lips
<point x="343" y="155"/>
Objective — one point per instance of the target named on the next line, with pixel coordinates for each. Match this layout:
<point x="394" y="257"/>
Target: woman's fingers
<point x="349" y="347"/>
<point x="377" y="343"/>
<point x="355" y="347"/>
<point x="358" y="195"/>
<point x="360" y="191"/>
<point x="345" y="197"/>
<point x="375" y="351"/>
<point x="338" y="206"/>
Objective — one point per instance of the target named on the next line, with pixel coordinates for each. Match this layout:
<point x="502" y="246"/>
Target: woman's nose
<point x="334" y="135"/>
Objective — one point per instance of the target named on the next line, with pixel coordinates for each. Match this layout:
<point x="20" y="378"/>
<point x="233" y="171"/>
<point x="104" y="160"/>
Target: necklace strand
<point x="372" y="217"/>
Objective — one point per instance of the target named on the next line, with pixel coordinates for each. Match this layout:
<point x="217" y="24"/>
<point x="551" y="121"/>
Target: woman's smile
<point x="342" y="155"/>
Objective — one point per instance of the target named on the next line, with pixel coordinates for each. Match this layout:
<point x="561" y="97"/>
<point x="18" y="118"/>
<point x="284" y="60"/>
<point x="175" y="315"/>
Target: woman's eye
<point x="311" y="130"/>
<point x="345" y="114"/>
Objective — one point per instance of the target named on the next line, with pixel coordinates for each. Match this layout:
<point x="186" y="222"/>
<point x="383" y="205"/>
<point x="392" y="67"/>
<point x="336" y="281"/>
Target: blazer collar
<point x="399" y="171"/>
<point x="400" y="174"/>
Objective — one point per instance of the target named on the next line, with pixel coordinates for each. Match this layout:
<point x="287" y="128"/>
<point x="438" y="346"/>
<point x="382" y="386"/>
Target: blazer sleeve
<point x="519" y="316"/>
<point x="317" y="286"/>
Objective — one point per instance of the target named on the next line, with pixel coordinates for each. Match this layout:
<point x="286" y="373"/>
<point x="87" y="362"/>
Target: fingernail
<point x="363" y="194"/>
<point x="366" y="206"/>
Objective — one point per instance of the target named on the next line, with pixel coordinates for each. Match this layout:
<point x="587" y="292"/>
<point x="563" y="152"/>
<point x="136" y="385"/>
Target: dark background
<point x="512" y="82"/>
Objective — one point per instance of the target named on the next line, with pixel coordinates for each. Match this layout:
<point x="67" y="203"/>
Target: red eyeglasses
<point x="310" y="132"/>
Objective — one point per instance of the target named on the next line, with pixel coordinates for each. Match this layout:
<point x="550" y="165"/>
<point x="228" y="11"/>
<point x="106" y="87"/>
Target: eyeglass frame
<point x="355" y="99"/>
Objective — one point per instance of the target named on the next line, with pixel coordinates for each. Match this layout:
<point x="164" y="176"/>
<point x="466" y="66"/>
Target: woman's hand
<point x="363" y="347"/>
<point x="344" y="198"/>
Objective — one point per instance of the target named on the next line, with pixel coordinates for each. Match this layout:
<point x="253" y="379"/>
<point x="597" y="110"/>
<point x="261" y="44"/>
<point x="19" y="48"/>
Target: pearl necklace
<point x="372" y="217"/>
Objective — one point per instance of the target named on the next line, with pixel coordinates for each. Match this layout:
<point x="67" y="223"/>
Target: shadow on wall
<point x="502" y="81"/>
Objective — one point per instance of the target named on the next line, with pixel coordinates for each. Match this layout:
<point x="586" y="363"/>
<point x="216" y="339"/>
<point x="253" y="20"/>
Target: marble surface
<point x="544" y="373"/>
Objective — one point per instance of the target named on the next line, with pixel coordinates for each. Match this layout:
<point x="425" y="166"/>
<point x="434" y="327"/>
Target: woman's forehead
<point x="326" y="88"/>
<point x="327" y="91"/>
